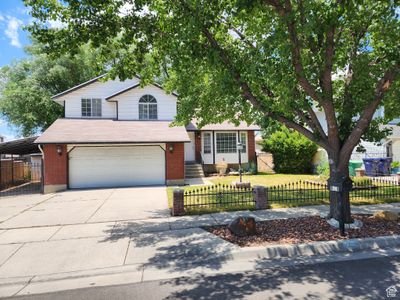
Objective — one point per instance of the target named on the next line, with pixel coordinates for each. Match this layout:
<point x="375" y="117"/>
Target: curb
<point x="319" y="248"/>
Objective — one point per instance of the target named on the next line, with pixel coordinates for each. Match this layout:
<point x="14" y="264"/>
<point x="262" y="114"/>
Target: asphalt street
<point x="356" y="279"/>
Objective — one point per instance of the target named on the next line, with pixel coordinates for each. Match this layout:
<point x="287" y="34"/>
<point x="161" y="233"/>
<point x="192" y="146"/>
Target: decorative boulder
<point x="241" y="185"/>
<point x="386" y="215"/>
<point x="243" y="226"/>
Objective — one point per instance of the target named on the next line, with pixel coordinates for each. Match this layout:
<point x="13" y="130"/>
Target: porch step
<point x="193" y="170"/>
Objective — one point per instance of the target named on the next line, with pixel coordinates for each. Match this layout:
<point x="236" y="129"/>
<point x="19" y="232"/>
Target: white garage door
<point x="116" y="166"/>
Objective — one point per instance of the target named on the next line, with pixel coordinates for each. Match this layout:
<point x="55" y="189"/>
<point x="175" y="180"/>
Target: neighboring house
<point x="387" y="147"/>
<point x="393" y="140"/>
<point x="116" y="133"/>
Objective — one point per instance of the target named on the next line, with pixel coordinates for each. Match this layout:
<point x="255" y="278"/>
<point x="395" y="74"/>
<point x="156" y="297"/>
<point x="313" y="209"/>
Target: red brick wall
<point x="55" y="165"/>
<point x="252" y="146"/>
<point x="175" y="161"/>
<point x="197" y="146"/>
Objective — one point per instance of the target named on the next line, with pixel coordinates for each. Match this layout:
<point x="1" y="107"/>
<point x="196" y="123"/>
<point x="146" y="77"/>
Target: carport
<point x="20" y="167"/>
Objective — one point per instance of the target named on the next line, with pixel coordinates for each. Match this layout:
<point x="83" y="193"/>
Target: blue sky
<point x="13" y="16"/>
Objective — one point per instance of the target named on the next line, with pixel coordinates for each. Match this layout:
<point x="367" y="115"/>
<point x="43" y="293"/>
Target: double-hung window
<point x="206" y="143"/>
<point x="243" y="141"/>
<point x="147" y="108"/>
<point x="226" y="142"/>
<point x="91" y="107"/>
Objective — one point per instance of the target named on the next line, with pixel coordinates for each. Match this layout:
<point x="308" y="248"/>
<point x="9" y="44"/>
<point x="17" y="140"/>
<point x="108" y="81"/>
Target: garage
<point x="93" y="167"/>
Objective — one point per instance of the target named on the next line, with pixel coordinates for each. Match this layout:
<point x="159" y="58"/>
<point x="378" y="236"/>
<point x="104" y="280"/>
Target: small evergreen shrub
<point x="292" y="152"/>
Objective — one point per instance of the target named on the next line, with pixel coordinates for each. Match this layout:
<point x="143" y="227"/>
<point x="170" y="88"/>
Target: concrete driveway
<point x="83" y="207"/>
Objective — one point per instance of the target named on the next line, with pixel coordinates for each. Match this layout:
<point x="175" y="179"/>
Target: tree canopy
<point x="26" y="86"/>
<point x="253" y="60"/>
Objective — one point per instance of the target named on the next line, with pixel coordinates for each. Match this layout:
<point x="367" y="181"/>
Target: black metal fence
<point x="18" y="177"/>
<point x="219" y="197"/>
<point x="303" y="192"/>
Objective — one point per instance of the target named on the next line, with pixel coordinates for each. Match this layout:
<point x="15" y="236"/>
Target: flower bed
<point x="304" y="230"/>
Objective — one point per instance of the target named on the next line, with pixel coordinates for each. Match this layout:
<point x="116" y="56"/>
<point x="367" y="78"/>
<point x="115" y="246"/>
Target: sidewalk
<point x="43" y="259"/>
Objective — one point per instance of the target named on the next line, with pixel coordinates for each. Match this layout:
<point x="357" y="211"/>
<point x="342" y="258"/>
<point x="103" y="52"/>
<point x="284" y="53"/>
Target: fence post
<point x="178" y="202"/>
<point x="260" y="197"/>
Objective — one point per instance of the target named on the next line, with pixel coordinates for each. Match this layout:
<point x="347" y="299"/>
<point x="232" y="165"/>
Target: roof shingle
<point x="98" y="131"/>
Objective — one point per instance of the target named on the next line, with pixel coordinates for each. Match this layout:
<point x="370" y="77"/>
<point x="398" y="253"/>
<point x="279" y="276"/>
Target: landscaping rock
<point x="243" y="226"/>
<point x="357" y="224"/>
<point x="241" y="185"/>
<point x="386" y="215"/>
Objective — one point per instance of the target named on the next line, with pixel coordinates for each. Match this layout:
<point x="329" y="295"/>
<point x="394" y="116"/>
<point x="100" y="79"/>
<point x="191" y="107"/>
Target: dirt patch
<point x="304" y="230"/>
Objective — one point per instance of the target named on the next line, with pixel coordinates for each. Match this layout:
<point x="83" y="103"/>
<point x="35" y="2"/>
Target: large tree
<point x="26" y="86"/>
<point x="253" y="60"/>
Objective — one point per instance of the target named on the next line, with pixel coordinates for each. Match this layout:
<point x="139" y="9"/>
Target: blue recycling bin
<point x="377" y="166"/>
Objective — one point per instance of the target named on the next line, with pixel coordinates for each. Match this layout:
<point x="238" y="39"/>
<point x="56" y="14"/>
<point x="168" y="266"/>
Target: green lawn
<point x="266" y="179"/>
<point x="295" y="198"/>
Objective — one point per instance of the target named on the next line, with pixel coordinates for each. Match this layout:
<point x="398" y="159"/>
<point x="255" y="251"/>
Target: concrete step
<point x="193" y="170"/>
<point x="193" y="176"/>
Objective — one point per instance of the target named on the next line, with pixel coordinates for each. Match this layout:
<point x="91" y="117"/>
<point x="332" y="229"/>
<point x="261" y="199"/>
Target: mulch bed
<point x="304" y="230"/>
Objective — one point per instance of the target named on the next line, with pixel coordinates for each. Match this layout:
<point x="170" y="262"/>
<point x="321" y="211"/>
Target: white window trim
<point x="216" y="142"/>
<point x="147" y="105"/>
<point x="91" y="107"/>
<point x="209" y="135"/>
<point x="241" y="134"/>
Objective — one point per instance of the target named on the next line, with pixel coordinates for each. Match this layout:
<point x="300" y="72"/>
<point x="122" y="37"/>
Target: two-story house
<point x="116" y="133"/>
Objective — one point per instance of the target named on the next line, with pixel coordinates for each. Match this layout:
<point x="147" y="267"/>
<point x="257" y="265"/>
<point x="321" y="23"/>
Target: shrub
<point x="292" y="152"/>
<point x="395" y="164"/>
<point x="323" y="169"/>
<point x="251" y="168"/>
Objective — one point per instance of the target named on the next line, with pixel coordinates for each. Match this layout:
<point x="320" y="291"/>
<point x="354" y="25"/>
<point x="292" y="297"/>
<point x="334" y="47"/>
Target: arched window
<point x="147" y="108"/>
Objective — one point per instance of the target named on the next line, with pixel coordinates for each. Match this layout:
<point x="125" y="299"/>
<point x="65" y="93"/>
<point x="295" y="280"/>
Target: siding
<point x="128" y="103"/>
<point x="396" y="150"/>
<point x="95" y="90"/>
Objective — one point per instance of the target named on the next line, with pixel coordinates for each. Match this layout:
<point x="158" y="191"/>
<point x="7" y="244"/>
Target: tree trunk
<point x="339" y="188"/>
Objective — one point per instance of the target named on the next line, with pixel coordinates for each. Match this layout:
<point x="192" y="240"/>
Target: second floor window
<point x="147" y="108"/>
<point x="91" y="107"/>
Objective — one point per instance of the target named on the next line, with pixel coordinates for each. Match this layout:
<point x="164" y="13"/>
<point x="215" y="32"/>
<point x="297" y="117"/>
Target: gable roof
<point x="77" y="87"/>
<point x="108" y="98"/>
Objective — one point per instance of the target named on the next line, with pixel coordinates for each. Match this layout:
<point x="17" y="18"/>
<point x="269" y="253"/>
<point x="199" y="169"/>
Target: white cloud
<point x="1" y="18"/>
<point x="56" y="24"/>
<point x="13" y="24"/>
<point x="125" y="9"/>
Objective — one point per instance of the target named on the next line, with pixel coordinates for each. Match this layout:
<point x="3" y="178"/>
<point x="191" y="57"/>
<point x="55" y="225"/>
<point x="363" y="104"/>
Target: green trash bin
<point x="353" y="165"/>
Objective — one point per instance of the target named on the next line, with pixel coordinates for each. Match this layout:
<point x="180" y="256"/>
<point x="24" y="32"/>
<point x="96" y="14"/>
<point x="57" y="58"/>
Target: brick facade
<point x="197" y="146"/>
<point x="55" y="168"/>
<point x="252" y="146"/>
<point x="175" y="163"/>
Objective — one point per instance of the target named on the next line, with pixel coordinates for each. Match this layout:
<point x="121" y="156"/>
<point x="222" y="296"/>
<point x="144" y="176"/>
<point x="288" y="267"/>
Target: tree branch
<point x="304" y="131"/>
<point x="363" y="122"/>
<point x="285" y="12"/>
<point x="247" y="94"/>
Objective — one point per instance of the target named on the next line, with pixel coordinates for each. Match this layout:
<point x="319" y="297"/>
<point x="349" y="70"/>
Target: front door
<point x="190" y="148"/>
